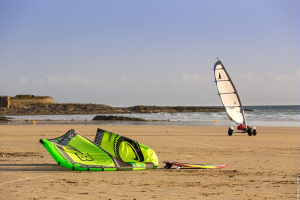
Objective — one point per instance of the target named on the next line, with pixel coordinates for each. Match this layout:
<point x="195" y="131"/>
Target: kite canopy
<point x="108" y="152"/>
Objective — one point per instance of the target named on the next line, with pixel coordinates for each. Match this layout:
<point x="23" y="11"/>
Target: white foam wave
<point x="264" y="116"/>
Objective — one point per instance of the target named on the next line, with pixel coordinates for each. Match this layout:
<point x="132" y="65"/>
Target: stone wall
<point x="17" y="101"/>
<point x="4" y="101"/>
<point x="7" y="102"/>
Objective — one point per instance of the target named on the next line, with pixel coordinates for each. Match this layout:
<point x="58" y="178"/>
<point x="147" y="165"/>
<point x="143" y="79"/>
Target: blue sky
<point x="125" y="53"/>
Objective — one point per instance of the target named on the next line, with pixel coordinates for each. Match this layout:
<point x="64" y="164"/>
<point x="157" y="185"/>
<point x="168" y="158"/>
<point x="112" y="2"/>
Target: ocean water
<point x="278" y="116"/>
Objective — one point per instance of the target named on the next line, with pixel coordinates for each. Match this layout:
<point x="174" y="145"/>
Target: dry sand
<point x="261" y="167"/>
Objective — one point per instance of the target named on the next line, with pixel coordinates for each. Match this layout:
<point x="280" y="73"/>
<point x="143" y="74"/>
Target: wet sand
<point x="261" y="167"/>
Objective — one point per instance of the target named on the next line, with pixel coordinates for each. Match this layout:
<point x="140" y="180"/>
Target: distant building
<point x="25" y="100"/>
<point x="4" y="101"/>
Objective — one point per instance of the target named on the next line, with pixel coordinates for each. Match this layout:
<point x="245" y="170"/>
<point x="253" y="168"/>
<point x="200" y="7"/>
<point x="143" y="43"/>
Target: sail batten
<point x="228" y="94"/>
<point x="221" y="81"/>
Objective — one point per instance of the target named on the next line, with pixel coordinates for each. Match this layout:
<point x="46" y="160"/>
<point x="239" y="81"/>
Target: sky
<point x="126" y="53"/>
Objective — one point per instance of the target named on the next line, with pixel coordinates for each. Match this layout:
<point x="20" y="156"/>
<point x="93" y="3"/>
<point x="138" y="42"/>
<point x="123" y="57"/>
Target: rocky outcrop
<point x="3" y="118"/>
<point x="172" y="109"/>
<point x="113" y="117"/>
<point x="68" y="109"/>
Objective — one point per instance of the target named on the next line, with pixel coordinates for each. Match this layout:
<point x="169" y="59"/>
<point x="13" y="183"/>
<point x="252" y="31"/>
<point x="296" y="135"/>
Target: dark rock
<point x="113" y="117"/>
<point x="73" y="109"/>
<point x="2" y="118"/>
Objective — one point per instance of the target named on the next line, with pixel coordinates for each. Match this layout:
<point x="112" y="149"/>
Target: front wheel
<point x="249" y="132"/>
<point x="230" y="131"/>
<point x="254" y="132"/>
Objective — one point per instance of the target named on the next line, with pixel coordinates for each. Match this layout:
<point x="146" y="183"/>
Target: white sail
<point x="229" y="95"/>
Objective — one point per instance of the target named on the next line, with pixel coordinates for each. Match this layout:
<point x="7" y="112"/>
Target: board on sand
<point x="200" y="166"/>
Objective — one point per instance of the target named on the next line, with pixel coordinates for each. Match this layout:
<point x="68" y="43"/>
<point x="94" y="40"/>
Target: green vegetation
<point x="28" y="96"/>
<point x="25" y="95"/>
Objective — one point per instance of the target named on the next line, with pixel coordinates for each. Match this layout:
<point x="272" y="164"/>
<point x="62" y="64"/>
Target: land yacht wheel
<point x="230" y="131"/>
<point x="254" y="132"/>
<point x="249" y="132"/>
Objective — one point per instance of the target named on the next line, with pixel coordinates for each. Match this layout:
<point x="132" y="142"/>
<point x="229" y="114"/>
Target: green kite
<point x="108" y="152"/>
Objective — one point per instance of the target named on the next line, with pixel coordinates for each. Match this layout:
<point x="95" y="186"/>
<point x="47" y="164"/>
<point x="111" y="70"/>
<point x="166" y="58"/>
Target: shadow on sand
<point x="32" y="167"/>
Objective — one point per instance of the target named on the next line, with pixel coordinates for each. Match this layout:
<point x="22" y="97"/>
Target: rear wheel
<point x="254" y="132"/>
<point x="249" y="132"/>
<point x="230" y="131"/>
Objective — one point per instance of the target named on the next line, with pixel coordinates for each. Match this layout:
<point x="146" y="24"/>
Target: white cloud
<point x="273" y="77"/>
<point x="86" y="81"/>
<point x="186" y="77"/>
<point x="209" y="78"/>
<point x="23" y="81"/>
<point x="39" y="81"/>
<point x="269" y="74"/>
<point x="251" y="76"/>
<point x="248" y="76"/>
<point x="284" y="77"/>
<point x="126" y="79"/>
<point x="53" y="80"/>
<point x="42" y="82"/>
<point x="101" y="83"/>
<point x="191" y="77"/>
<point x="70" y="80"/>
<point x="123" y="78"/>
<point x="196" y="77"/>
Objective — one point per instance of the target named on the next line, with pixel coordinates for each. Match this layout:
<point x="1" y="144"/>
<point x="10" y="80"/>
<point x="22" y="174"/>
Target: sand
<point x="261" y="167"/>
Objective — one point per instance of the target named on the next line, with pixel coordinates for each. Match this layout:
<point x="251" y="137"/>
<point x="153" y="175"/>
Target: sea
<point x="270" y="116"/>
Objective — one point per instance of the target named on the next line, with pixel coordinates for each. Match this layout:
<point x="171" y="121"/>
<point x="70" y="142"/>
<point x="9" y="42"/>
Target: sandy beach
<point x="261" y="167"/>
